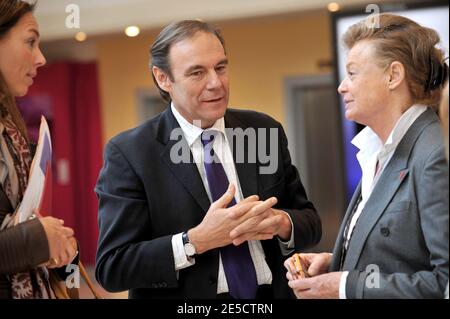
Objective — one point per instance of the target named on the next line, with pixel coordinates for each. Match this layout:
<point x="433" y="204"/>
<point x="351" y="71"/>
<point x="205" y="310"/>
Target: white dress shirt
<point x="221" y="148"/>
<point x="371" y="152"/>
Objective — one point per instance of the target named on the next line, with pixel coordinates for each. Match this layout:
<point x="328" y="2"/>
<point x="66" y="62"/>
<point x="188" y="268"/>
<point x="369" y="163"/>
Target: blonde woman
<point x="393" y="242"/>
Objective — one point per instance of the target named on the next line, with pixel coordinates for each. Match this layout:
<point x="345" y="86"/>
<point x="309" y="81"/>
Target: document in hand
<point x="38" y="194"/>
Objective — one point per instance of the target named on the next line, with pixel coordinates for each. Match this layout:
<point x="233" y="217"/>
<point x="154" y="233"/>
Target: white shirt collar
<point x="192" y="132"/>
<point x="373" y="152"/>
<point x="368" y="142"/>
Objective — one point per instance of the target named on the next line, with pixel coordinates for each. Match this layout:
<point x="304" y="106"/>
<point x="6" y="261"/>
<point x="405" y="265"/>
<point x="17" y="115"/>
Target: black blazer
<point x="145" y="198"/>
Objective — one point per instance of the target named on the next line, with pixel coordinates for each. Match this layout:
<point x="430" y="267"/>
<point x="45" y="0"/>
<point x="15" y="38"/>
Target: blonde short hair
<point x="397" y="38"/>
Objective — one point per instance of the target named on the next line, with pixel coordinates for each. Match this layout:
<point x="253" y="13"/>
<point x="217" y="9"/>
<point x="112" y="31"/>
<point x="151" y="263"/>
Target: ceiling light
<point x="333" y="7"/>
<point x="132" y="31"/>
<point x="80" y="36"/>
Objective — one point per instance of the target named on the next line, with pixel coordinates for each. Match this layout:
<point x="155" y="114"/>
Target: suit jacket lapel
<point x="186" y="173"/>
<point x="337" y="251"/>
<point x="374" y="208"/>
<point x="390" y="180"/>
<point x="247" y="178"/>
<point x="246" y="172"/>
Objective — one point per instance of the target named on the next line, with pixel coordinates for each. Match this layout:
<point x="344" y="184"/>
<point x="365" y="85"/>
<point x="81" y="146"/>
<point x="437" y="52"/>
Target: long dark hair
<point x="11" y="11"/>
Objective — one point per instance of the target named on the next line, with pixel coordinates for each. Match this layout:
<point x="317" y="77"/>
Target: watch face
<point x="189" y="249"/>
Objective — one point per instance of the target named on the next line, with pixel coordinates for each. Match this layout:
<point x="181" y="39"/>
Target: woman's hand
<point x="315" y="264"/>
<point x="62" y="244"/>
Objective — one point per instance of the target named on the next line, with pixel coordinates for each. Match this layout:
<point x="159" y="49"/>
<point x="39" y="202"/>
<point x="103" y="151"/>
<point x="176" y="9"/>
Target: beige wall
<point x="262" y="52"/>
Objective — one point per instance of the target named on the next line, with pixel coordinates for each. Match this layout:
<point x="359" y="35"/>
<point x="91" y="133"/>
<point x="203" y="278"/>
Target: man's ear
<point x="396" y="73"/>
<point x="162" y="78"/>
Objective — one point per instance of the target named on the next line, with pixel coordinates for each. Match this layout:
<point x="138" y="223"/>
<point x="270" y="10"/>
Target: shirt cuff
<point x="342" y="284"/>
<point x="180" y="258"/>
<point x="287" y="247"/>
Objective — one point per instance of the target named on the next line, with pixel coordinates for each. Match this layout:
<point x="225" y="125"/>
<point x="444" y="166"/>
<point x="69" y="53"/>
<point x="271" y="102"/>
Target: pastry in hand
<point x="300" y="268"/>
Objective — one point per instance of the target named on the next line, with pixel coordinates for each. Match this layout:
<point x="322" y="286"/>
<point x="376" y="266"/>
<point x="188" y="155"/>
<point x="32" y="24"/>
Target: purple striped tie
<point x="237" y="261"/>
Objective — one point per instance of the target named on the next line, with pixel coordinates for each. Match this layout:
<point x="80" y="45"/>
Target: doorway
<point x="313" y="125"/>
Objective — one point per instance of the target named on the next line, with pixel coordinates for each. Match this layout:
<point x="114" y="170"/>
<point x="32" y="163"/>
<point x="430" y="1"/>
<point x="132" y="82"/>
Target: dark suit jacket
<point x="403" y="228"/>
<point x="145" y="198"/>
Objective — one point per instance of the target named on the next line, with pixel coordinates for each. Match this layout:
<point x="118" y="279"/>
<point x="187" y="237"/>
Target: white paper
<point x="33" y="193"/>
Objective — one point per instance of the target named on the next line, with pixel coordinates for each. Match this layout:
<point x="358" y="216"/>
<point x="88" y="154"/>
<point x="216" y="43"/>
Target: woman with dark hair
<point x="29" y="248"/>
<point x="393" y="242"/>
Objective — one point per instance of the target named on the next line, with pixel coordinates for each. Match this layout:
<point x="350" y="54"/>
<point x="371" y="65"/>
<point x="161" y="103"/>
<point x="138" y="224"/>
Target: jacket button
<point x="384" y="231"/>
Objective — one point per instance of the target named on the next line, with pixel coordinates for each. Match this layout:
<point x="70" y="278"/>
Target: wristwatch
<point x="189" y="249"/>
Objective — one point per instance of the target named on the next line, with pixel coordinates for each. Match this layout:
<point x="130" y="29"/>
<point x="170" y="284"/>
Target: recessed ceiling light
<point x="333" y="7"/>
<point x="80" y="36"/>
<point x="132" y="31"/>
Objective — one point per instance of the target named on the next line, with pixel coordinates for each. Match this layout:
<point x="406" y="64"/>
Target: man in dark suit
<point x="170" y="224"/>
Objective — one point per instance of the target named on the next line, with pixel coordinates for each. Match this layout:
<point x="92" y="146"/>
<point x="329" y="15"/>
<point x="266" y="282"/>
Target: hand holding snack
<point x="310" y="264"/>
<point x="300" y="267"/>
<point x="297" y="267"/>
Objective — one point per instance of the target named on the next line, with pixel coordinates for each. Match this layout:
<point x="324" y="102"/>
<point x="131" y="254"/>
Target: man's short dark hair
<point x="173" y="33"/>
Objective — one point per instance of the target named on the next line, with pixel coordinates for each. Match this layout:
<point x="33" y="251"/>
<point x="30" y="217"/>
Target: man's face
<point x="199" y="88"/>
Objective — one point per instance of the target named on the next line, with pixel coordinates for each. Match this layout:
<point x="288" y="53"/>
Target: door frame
<point x="291" y="84"/>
